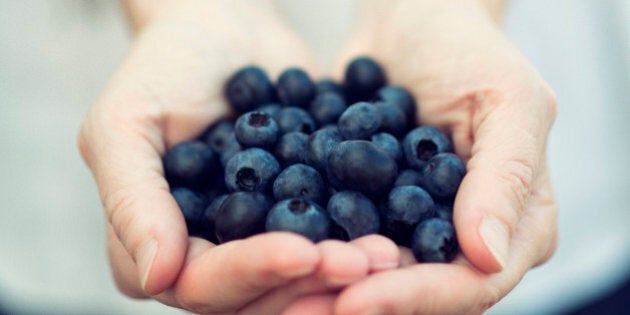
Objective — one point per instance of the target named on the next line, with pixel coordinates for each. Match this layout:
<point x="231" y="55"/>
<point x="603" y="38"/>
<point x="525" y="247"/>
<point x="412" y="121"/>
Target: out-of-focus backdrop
<point x="56" y="56"/>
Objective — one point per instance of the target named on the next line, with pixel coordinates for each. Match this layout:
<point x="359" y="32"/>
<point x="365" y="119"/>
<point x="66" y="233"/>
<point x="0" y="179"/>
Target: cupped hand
<point x="475" y="85"/>
<point x="169" y="89"/>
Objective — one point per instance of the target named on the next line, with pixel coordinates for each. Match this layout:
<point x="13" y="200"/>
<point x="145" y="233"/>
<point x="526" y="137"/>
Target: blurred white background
<point x="55" y="57"/>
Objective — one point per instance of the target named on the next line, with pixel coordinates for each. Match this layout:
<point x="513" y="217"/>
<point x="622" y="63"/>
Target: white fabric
<point x="55" y="57"/>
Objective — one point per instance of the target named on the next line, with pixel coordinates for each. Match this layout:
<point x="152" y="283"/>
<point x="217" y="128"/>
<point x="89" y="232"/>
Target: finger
<point x="126" y="163"/>
<point x="341" y="264"/>
<point x="231" y="275"/>
<point x="509" y="144"/>
<point x="382" y="253"/>
<point x="319" y="304"/>
<point x="123" y="269"/>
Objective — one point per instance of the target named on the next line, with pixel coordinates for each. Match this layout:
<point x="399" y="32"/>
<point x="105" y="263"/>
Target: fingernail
<point x="496" y="236"/>
<point x="144" y="260"/>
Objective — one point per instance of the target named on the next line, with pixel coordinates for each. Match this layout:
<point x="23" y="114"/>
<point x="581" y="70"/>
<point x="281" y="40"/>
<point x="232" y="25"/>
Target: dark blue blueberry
<point x="327" y="107"/>
<point x="256" y="129"/>
<point x="241" y="215"/>
<point x="253" y="169"/>
<point x="409" y="177"/>
<point x="404" y="208"/>
<point x="294" y="119"/>
<point x="390" y="144"/>
<point x="422" y="143"/>
<point x="295" y="88"/>
<point x="400" y="97"/>
<point x="434" y="240"/>
<point x="248" y="88"/>
<point x="299" y="180"/>
<point x="216" y="185"/>
<point x="319" y="145"/>
<point x="443" y="174"/>
<point x="192" y="204"/>
<point x="363" y="78"/>
<point x="292" y="148"/>
<point x="190" y="164"/>
<point x="299" y="216"/>
<point x="444" y="212"/>
<point x="393" y="120"/>
<point x="353" y="215"/>
<point x="218" y="135"/>
<point x="270" y="108"/>
<point x="328" y="85"/>
<point x="231" y="148"/>
<point x="361" y="166"/>
<point x="359" y="122"/>
<point x="210" y="215"/>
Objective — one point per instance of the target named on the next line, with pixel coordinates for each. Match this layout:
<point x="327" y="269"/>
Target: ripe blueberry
<point x="217" y="136"/>
<point x="295" y="88"/>
<point x="393" y="120"/>
<point x="294" y="119"/>
<point x="363" y="77"/>
<point x="353" y="215"/>
<point x="292" y="148"/>
<point x="434" y="240"/>
<point x="388" y="143"/>
<point x="192" y="204"/>
<point x="241" y="215"/>
<point x="400" y="97"/>
<point x="443" y="174"/>
<point x="359" y="121"/>
<point x="409" y="177"/>
<point x="190" y="164"/>
<point x="299" y="216"/>
<point x="422" y="143"/>
<point x="253" y="169"/>
<point x="319" y="145"/>
<point x="327" y="107"/>
<point x="248" y="88"/>
<point x="210" y="217"/>
<point x="256" y="129"/>
<point x="230" y="149"/>
<point x="299" y="180"/>
<point x="404" y="208"/>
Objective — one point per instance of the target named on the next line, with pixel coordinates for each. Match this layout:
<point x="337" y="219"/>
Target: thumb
<point x="509" y="139"/>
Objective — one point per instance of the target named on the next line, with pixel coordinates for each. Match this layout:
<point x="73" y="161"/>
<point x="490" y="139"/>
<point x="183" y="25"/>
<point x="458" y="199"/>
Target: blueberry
<point x="363" y="78"/>
<point x="319" y="145"/>
<point x="210" y="217"/>
<point x="434" y="240"/>
<point x="361" y="166"/>
<point x="388" y="143"/>
<point x="230" y="149"/>
<point x="216" y="185"/>
<point x="422" y="143"/>
<point x="192" y="204"/>
<point x="328" y="85"/>
<point x="253" y="169"/>
<point x="393" y="120"/>
<point x="443" y="174"/>
<point x="400" y="97"/>
<point x="241" y="215"/>
<point x="217" y="136"/>
<point x="299" y="216"/>
<point x="409" y="177"/>
<point x="327" y="107"/>
<point x="292" y="148"/>
<point x="190" y="164"/>
<point x="405" y="207"/>
<point x="270" y="108"/>
<point x="299" y="180"/>
<point x="353" y="215"/>
<point x="256" y="129"/>
<point x="294" y="119"/>
<point x="248" y="88"/>
<point x="295" y="88"/>
<point x="444" y="212"/>
<point x="359" y="121"/>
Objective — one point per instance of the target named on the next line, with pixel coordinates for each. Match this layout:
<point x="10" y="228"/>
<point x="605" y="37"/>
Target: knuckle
<point x="117" y="205"/>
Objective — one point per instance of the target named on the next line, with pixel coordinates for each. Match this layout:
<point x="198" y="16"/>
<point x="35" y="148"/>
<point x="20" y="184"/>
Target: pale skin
<point x="469" y="80"/>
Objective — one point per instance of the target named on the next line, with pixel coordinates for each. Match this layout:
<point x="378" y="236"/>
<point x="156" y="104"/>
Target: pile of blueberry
<point x="325" y="160"/>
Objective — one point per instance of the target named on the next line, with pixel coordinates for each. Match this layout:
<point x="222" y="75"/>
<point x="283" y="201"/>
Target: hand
<point x="471" y="82"/>
<point x="167" y="90"/>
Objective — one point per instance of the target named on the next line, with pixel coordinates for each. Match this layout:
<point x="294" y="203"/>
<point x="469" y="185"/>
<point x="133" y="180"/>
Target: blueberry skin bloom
<point x="256" y="129"/>
<point x="299" y="180"/>
<point x="353" y="215"/>
<point x="291" y="148"/>
<point x="253" y="169"/>
<point x="248" y="88"/>
<point x="409" y="177"/>
<point x="443" y="174"/>
<point x="193" y="205"/>
<point x="388" y="143"/>
<point x="363" y="77"/>
<point x="400" y="97"/>
<point x="241" y="215"/>
<point x="319" y="145"/>
<point x="299" y="216"/>
<point x="434" y="240"/>
<point x="291" y="119"/>
<point x="218" y="135"/>
<point x="190" y="164"/>
<point x="405" y="207"/>
<point x="230" y="149"/>
<point x="361" y="166"/>
<point x="393" y="119"/>
<point x="327" y="107"/>
<point x="422" y="143"/>
<point x="295" y="88"/>
<point x="359" y="121"/>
